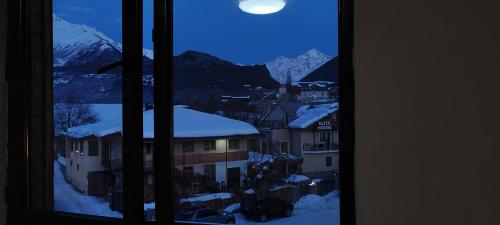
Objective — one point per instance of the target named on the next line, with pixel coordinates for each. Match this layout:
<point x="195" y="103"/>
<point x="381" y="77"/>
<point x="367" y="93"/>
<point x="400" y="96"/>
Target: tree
<point x="72" y="112"/>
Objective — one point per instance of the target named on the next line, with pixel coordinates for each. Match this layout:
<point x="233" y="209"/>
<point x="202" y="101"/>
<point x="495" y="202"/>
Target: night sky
<point x="220" y="28"/>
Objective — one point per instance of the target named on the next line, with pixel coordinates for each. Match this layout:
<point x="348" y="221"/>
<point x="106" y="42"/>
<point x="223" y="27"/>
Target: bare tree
<point x="72" y="112"/>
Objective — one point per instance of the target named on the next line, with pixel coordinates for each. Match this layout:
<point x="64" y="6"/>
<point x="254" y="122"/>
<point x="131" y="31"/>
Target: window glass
<point x="234" y="143"/>
<point x="87" y="176"/>
<point x="209" y="145"/>
<point x="255" y="96"/>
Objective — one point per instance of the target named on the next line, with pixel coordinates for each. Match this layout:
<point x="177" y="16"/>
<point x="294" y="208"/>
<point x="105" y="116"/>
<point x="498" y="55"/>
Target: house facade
<point x="309" y="132"/>
<point x="206" y="146"/>
<point x="315" y="138"/>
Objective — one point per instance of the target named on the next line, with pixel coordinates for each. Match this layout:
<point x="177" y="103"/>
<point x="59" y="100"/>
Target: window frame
<point x="20" y="70"/>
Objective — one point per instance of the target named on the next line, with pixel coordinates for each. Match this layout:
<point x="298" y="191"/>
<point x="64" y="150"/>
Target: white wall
<point x="428" y="112"/>
<point x="3" y="109"/>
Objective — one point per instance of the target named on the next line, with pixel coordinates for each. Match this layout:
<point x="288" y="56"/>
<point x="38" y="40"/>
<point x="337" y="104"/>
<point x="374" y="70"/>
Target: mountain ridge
<point x="284" y="69"/>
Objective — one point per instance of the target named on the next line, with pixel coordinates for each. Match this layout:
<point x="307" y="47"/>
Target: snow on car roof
<point x="208" y="197"/>
<point x="312" y="114"/>
<point x="188" y="123"/>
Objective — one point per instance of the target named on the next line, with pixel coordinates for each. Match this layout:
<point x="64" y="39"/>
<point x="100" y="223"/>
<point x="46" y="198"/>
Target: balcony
<point x="117" y="164"/>
<point x="148" y="166"/>
<point x="321" y="147"/>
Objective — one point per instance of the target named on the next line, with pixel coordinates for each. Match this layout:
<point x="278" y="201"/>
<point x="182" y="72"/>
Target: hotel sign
<point x="324" y="125"/>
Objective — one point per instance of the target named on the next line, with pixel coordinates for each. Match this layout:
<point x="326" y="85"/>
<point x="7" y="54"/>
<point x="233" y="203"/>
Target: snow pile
<point x="232" y="208"/>
<point x="296" y="68"/>
<point x="187" y="123"/>
<point x="308" y="210"/>
<point x="258" y="157"/>
<point x="249" y="191"/>
<point x="208" y="197"/>
<point x="311" y="202"/>
<point x="67" y="199"/>
<point x="281" y="186"/>
<point x="297" y="178"/>
<point x="310" y="115"/>
<point x="61" y="159"/>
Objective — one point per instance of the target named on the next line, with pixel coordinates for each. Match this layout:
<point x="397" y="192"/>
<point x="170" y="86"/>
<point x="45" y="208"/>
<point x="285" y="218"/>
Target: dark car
<point x="263" y="209"/>
<point x="204" y="214"/>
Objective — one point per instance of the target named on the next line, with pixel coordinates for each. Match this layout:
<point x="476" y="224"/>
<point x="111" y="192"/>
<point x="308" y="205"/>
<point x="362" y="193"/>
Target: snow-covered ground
<point x="310" y="209"/>
<point x="67" y="199"/>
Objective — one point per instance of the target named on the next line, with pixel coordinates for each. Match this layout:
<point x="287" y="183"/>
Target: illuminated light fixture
<point x="262" y="7"/>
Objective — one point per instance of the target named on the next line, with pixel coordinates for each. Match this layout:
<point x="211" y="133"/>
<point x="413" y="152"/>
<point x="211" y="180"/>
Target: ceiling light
<point x="262" y="7"/>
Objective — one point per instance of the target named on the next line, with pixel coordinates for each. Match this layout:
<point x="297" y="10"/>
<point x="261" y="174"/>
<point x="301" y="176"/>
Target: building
<point x="213" y="146"/>
<point x="206" y="146"/>
<point x="314" y="137"/>
<point x="317" y="91"/>
<point x="274" y="126"/>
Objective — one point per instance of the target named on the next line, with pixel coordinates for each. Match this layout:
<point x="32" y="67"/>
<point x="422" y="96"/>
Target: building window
<point x="284" y="147"/>
<point x="324" y="136"/>
<point x="209" y="145"/>
<point x="234" y="143"/>
<point x="93" y="148"/>
<point x="328" y="161"/>
<point x="188" y="146"/>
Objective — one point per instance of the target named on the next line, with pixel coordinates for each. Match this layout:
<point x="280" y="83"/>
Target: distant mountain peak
<point x="282" y="69"/>
<point x="77" y="44"/>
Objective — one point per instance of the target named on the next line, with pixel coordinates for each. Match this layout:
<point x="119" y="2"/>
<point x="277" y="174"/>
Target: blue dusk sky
<point x="220" y="28"/>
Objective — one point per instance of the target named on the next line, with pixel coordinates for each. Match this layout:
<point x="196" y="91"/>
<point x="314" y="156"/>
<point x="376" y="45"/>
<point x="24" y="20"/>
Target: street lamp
<point x="262" y="7"/>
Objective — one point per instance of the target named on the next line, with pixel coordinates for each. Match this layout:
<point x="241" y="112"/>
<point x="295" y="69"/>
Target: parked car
<point x="263" y="209"/>
<point x="204" y="214"/>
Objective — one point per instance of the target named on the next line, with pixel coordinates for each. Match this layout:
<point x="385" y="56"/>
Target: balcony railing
<point x="117" y="164"/>
<point x="320" y="147"/>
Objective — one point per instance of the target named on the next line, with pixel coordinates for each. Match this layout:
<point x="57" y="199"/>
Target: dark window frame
<point x="20" y="69"/>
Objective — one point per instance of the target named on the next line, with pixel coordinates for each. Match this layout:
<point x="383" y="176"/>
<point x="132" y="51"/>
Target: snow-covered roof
<point x="312" y="114"/>
<point x="188" y="123"/>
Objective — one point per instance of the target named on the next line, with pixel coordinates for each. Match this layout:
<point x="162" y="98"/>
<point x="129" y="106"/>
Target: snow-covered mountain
<point x="78" y="44"/>
<point x="283" y="68"/>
